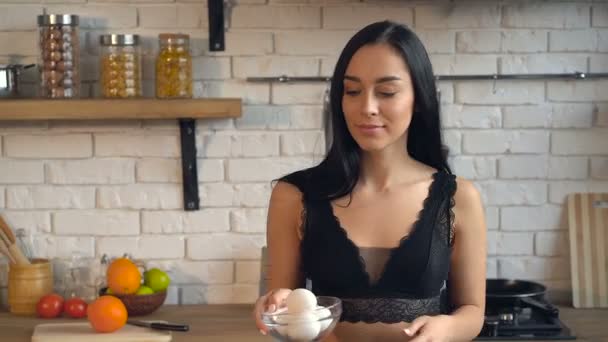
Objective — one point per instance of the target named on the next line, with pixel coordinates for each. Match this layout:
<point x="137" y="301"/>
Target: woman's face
<point x="378" y="98"/>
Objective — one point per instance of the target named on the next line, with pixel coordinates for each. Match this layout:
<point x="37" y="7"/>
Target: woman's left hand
<point x="430" y="329"/>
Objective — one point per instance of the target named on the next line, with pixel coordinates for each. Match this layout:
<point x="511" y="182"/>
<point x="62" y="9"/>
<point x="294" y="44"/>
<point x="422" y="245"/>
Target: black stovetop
<point x="520" y="322"/>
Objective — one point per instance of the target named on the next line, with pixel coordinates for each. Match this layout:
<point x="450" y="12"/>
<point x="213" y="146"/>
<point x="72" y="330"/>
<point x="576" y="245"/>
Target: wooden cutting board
<point x="588" y="228"/>
<point x="80" y="332"/>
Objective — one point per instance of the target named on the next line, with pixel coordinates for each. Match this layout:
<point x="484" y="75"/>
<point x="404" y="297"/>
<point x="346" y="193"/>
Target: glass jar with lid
<point x="59" y="55"/>
<point x="120" y="65"/>
<point x="174" y="66"/>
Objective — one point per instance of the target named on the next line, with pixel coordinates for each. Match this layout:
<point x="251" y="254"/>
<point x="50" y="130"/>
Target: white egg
<point x="324" y="317"/>
<point x="301" y="300"/>
<point x="303" y="326"/>
<point x="282" y="321"/>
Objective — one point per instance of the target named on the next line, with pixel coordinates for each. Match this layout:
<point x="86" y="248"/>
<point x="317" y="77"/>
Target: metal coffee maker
<point x="9" y="79"/>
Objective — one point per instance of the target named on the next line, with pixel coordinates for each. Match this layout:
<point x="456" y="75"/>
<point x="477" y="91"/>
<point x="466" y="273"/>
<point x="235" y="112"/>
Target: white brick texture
<point x="48" y="146"/>
<point x="546" y="15"/>
<point x="479" y="15"/>
<point x="112" y="145"/>
<point x="19" y="17"/>
<point x="478" y="41"/>
<point x="32" y="222"/>
<point x="514" y="192"/>
<point x="534" y="268"/>
<point x="505" y="92"/>
<point x="92" y="171"/>
<point x="248" y="220"/>
<point x="197" y="272"/>
<point x="355" y="17"/>
<point x="280" y="117"/>
<point x="95" y="187"/>
<point x="302" y="143"/>
<point x="533" y="218"/>
<point x="205" y="220"/>
<point x="519" y="41"/>
<point x="599" y="168"/>
<point x="140" y="196"/>
<point x="474" y="167"/>
<point x="50" y="197"/>
<point x="225" y="246"/>
<point x="144" y="247"/>
<point x="551" y="244"/>
<point x="573" y="143"/>
<point x="21" y="172"/>
<point x="276" y="17"/>
<point x="487" y="142"/>
<point x="100" y="223"/>
<point x="459" y="116"/>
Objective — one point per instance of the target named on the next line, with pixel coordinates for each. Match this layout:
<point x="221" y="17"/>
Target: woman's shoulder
<point x="286" y="191"/>
<point x="467" y="201"/>
<point x="466" y="191"/>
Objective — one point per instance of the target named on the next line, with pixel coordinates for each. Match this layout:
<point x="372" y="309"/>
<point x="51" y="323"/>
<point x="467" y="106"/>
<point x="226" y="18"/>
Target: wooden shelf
<point x="93" y="109"/>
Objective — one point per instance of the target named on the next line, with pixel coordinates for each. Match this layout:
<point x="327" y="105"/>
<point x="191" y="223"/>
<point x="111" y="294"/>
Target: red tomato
<point x="75" y="307"/>
<point x="50" y="306"/>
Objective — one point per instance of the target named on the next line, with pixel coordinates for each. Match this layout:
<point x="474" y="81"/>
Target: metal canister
<point x="59" y="55"/>
<point x="9" y="79"/>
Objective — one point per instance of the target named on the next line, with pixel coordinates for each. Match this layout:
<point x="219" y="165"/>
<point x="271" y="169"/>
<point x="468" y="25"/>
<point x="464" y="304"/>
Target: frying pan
<point x="515" y="292"/>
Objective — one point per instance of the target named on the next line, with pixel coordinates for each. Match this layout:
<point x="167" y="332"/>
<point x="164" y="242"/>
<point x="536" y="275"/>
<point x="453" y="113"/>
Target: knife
<point x="159" y="325"/>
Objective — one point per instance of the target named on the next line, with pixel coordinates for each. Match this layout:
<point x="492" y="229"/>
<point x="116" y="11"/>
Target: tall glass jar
<point x="59" y="55"/>
<point x="174" y="66"/>
<point x="120" y="65"/>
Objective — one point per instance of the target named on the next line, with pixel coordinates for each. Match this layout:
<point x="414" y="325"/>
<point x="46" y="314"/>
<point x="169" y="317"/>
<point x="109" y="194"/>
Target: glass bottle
<point x="120" y="65"/>
<point x="59" y="55"/>
<point x="174" y="66"/>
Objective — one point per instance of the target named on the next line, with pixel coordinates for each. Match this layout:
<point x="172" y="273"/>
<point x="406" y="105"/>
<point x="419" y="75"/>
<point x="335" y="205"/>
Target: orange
<point x="123" y="277"/>
<point x="107" y="314"/>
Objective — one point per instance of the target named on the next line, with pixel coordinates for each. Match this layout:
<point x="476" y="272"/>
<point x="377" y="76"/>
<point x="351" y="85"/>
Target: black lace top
<point x="413" y="281"/>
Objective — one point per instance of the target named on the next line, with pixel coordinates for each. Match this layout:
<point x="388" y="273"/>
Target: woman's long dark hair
<point x="338" y="173"/>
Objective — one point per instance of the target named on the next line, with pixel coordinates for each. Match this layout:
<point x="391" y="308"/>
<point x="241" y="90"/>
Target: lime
<point x="144" y="290"/>
<point x="156" y="279"/>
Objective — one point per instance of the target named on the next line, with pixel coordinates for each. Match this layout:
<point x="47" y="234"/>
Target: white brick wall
<point x="113" y="186"/>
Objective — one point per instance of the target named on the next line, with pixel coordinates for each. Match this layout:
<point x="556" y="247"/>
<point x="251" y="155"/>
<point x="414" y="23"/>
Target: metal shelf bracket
<point x="189" y="168"/>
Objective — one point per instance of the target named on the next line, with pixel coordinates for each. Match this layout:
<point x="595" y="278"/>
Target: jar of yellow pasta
<point x="120" y="65"/>
<point x="174" y="66"/>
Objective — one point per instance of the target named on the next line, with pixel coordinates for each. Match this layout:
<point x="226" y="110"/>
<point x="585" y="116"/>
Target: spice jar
<point x="120" y="65"/>
<point x="59" y="55"/>
<point x="174" y="67"/>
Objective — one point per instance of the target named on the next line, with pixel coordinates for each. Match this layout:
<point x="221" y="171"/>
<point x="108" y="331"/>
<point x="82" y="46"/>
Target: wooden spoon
<point x="4" y="250"/>
<point x="7" y="230"/>
<point x="14" y="249"/>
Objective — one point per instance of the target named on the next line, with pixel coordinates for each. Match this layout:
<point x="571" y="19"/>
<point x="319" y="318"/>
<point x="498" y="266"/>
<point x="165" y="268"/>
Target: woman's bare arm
<point x="468" y="264"/>
<point x="284" y="220"/>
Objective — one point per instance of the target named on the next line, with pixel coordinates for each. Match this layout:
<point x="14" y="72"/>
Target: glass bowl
<point x="308" y="326"/>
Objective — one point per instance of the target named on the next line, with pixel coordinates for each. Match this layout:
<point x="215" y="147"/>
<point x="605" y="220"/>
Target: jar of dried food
<point x="59" y="55"/>
<point x="120" y="65"/>
<point x="174" y="67"/>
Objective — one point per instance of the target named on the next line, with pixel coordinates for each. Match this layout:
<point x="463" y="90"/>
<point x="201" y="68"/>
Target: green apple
<point x="144" y="290"/>
<point x="156" y="279"/>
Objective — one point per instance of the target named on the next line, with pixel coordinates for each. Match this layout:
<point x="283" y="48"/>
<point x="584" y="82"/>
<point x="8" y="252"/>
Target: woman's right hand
<point x="269" y="302"/>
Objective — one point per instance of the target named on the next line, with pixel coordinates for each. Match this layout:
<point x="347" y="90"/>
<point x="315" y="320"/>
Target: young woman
<point x="381" y="222"/>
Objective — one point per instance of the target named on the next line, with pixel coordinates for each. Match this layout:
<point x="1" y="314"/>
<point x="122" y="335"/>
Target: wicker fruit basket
<point x="139" y="305"/>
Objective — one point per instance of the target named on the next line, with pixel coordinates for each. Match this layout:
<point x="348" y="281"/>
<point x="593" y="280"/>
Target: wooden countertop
<point x="228" y="323"/>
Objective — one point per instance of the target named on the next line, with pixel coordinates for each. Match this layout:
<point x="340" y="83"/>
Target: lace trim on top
<point x="389" y="310"/>
<point x="432" y="189"/>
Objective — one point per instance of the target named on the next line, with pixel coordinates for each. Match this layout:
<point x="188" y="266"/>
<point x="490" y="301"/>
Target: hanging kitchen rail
<point x="491" y="77"/>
